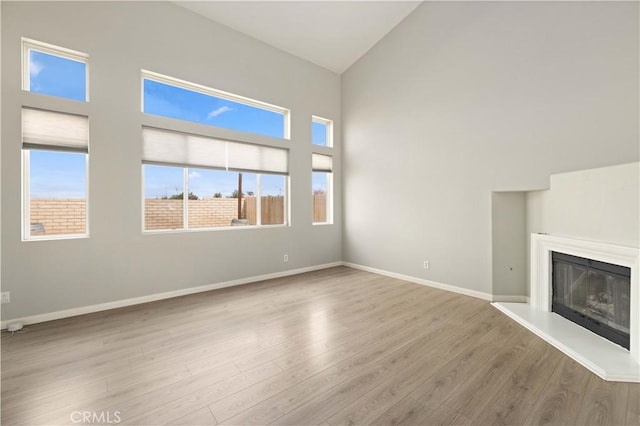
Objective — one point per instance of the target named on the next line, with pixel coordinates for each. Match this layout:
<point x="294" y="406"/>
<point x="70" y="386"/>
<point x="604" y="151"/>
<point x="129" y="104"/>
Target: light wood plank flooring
<point x="337" y="346"/>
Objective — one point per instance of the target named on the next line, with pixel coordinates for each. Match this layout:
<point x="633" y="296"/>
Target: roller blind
<point x="54" y="130"/>
<point x="321" y="163"/>
<point x="173" y="148"/>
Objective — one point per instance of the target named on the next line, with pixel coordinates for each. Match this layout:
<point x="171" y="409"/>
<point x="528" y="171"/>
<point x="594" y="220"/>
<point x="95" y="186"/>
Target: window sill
<point x="56" y="237"/>
<point x="221" y="228"/>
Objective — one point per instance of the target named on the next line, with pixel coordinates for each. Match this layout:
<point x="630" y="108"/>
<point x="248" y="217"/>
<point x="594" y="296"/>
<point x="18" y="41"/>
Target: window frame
<point x="329" y="124"/>
<point x="26" y="200"/>
<point x="324" y="150"/>
<point x="51" y="49"/>
<point x="185" y="204"/>
<point x="209" y="91"/>
<point x="329" y="190"/>
<point x="222" y="134"/>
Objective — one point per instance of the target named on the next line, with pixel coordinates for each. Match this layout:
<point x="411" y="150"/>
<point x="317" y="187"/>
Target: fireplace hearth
<point x="602" y="302"/>
<point x="593" y="294"/>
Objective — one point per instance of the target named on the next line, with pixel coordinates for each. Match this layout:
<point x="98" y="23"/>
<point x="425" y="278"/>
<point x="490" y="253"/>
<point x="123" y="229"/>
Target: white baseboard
<point x="448" y="287"/>
<point x="33" y="319"/>
<point x="508" y="298"/>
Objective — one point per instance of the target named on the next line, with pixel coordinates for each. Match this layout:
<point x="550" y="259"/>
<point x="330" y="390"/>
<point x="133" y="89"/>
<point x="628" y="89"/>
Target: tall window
<point x="195" y="182"/>
<point x="55" y="148"/>
<point x="321" y="131"/>
<point x="322" y="186"/>
<point x="174" y="98"/>
<point x="54" y="71"/>
<point x="55" y="144"/>
<point x="322" y="170"/>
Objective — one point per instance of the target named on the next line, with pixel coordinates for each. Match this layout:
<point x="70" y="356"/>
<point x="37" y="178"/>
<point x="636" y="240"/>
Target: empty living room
<point x="320" y="212"/>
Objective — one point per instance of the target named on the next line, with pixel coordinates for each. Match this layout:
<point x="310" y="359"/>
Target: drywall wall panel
<point x="465" y="98"/>
<point x="600" y="204"/>
<point x="118" y="261"/>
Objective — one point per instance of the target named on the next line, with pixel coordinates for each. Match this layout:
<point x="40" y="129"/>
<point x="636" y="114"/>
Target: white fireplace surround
<point x="602" y="357"/>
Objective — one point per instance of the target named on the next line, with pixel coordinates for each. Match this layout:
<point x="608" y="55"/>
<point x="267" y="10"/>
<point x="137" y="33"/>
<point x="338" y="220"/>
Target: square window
<point x="56" y="193"/>
<point x="55" y="71"/>
<point x="321" y="132"/>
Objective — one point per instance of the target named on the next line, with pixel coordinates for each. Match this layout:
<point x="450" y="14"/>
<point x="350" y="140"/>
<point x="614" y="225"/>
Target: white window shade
<point x="257" y="158"/>
<point x="54" y="130"/>
<point x="321" y="163"/>
<point x="167" y="147"/>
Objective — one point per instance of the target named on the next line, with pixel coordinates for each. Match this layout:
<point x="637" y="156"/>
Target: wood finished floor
<point x="337" y="346"/>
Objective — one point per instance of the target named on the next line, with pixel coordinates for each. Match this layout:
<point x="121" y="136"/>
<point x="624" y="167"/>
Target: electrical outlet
<point x="286" y="258"/>
<point x="5" y="297"/>
<point x="426" y="264"/>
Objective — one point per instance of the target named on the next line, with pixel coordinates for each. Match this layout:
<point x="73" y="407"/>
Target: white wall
<point x="598" y="205"/>
<point x="119" y="262"/>
<point x="465" y="98"/>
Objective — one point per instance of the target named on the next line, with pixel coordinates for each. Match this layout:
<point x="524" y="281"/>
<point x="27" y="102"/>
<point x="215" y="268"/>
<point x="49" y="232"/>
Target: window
<point x="321" y="131"/>
<point x="173" y="98"/>
<point x="55" y="149"/>
<point x="55" y="145"/>
<point x="227" y="183"/>
<point x="322" y="171"/>
<point x="198" y="182"/>
<point x="322" y="180"/>
<point x="54" y="71"/>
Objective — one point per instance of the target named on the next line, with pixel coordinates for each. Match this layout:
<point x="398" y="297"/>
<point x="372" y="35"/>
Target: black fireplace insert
<point x="593" y="294"/>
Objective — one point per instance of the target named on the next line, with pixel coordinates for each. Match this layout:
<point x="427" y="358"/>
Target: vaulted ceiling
<point x="331" y="34"/>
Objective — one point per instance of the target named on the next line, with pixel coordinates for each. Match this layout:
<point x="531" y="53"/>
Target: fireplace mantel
<point x="604" y="358"/>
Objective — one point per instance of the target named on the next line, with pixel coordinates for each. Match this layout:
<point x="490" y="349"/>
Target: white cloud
<point x="35" y="68"/>
<point x="217" y="112"/>
<point x="194" y="175"/>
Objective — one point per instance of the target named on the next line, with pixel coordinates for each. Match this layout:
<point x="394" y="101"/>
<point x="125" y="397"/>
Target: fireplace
<point x="609" y="263"/>
<point x="592" y="294"/>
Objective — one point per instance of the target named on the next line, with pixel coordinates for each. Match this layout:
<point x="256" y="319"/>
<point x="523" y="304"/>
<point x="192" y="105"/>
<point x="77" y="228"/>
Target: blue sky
<point x="175" y="102"/>
<point x="319" y="133"/>
<point x="57" y="174"/>
<point x="56" y="76"/>
<point x="63" y="175"/>
<point x="319" y="181"/>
